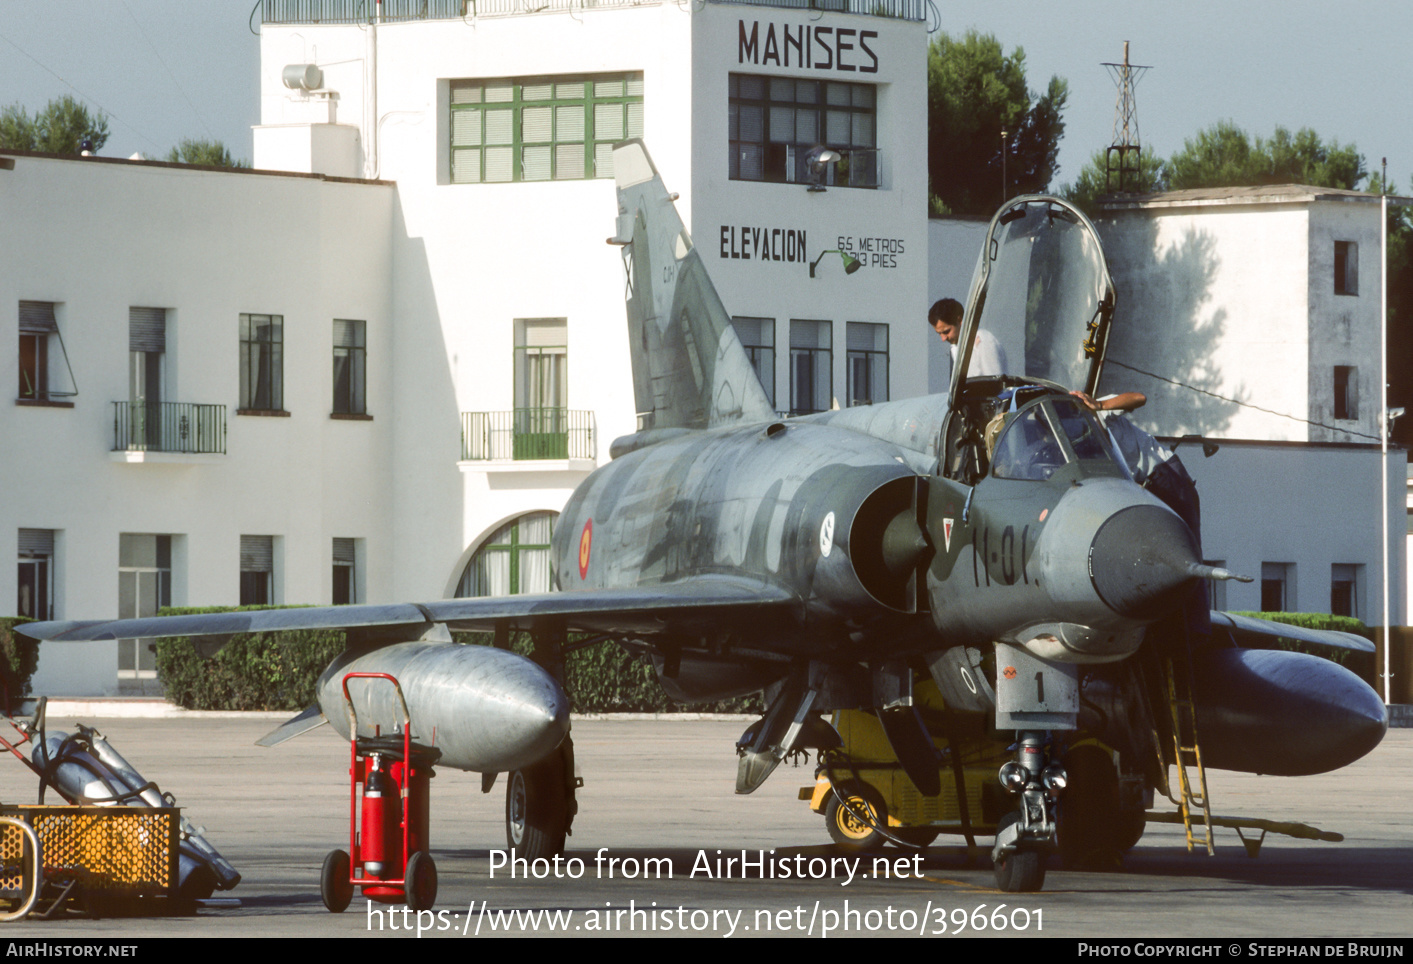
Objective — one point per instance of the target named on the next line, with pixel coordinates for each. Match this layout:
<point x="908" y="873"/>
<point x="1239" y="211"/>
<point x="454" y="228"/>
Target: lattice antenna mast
<point x="1122" y="159"/>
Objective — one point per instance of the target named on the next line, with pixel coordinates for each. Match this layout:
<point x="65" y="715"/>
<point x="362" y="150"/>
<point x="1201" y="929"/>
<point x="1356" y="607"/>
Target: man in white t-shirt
<point x="987" y="355"/>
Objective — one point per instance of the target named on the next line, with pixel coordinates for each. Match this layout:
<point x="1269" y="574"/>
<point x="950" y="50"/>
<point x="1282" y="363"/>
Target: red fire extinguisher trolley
<point x="388" y="810"/>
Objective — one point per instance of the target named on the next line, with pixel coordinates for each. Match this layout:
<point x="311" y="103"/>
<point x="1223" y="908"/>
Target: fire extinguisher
<point x="381" y="844"/>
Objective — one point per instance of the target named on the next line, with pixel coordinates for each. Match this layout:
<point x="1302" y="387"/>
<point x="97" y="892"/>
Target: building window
<point x="514" y="559"/>
<point x="540" y="421"/>
<point x="867" y="362"/>
<point x="350" y="368"/>
<point x="36" y="574"/>
<point x="1277" y="589"/>
<point x="39" y="337"/>
<point x="257" y="570"/>
<point x="262" y="380"/>
<point x="1346" y="392"/>
<point x="144" y="587"/>
<point x="758" y="338"/>
<point x="1346" y="268"/>
<point x="1345" y="586"/>
<point x="345" y="585"/>
<point x="147" y="350"/>
<point x="775" y="121"/>
<point x="811" y="366"/>
<point x="541" y="128"/>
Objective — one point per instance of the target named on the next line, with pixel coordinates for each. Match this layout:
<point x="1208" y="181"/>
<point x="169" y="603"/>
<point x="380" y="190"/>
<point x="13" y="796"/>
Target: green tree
<point x="208" y="153"/>
<point x="1224" y="155"/>
<point x="974" y="92"/>
<point x="59" y="128"/>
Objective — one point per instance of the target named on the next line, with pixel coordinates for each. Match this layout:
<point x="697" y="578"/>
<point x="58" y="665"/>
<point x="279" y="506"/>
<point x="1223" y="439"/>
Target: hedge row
<point x="1360" y="663"/>
<point x="280" y="671"/>
<point x="254" y="671"/>
<point x="606" y="678"/>
<point x="19" y="656"/>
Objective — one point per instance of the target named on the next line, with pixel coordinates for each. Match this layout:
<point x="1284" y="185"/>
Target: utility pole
<point x="1122" y="159"/>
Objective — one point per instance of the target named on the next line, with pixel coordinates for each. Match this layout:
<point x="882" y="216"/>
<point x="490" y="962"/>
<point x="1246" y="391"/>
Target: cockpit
<point x="1042" y="289"/>
<point x="1046" y="436"/>
<point x="1028" y="432"/>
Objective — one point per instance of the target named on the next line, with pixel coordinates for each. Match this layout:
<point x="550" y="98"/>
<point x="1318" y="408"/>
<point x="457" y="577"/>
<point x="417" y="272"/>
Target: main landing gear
<point x="540" y="805"/>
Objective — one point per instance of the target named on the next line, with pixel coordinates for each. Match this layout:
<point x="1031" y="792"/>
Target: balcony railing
<point x="393" y="11"/>
<point x="527" y="434"/>
<point x="169" y="427"/>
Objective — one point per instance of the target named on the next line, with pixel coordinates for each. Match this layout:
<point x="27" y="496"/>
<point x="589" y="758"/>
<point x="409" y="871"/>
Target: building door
<point x="144" y="587"/>
<point x="541" y="389"/>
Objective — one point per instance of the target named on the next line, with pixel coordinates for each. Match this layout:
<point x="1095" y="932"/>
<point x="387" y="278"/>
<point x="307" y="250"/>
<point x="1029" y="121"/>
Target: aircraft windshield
<point x="1047" y="436"/>
<point x="1044" y="292"/>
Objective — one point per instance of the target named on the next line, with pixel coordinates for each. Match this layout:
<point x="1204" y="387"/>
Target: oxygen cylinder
<point x="86" y="769"/>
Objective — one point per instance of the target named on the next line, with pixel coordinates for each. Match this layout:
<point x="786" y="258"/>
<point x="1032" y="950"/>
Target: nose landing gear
<point x="1025" y="837"/>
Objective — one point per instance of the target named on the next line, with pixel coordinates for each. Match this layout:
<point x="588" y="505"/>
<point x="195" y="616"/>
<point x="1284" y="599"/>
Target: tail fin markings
<point x="690" y="370"/>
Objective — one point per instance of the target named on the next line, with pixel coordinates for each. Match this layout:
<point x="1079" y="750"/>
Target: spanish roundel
<point x="586" y="539"/>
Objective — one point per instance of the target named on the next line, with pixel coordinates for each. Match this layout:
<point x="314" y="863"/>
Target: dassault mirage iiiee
<point x="965" y="571"/>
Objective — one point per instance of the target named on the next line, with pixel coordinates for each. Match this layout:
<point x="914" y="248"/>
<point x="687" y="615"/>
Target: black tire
<point x="919" y="837"/>
<point x="855" y="828"/>
<point x="1130" y="827"/>
<point x="1022" y="871"/>
<point x="1090" y="831"/>
<point x="536" y="815"/>
<point x="420" y="879"/>
<point x="334" y="884"/>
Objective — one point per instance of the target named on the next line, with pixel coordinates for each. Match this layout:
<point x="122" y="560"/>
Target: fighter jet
<point x="990" y="542"/>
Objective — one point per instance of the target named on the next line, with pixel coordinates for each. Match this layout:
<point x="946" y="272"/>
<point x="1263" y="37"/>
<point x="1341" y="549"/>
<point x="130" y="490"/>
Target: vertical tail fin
<point x="689" y="369"/>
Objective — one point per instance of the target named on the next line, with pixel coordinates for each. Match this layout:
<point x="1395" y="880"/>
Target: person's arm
<point x="1124" y="402"/>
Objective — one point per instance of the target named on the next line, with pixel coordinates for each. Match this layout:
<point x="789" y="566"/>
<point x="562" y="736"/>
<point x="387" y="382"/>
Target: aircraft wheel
<point x="334" y="884"/>
<point x="855" y="827"/>
<point x="1021" y="872"/>
<point x="1130" y="827"/>
<point x="1089" y="826"/>
<point x="919" y="837"/>
<point x="421" y="881"/>
<point x="536" y="818"/>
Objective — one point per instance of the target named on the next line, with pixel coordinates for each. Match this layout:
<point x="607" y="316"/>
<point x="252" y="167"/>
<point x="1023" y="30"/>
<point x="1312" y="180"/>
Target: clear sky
<point x="168" y="69"/>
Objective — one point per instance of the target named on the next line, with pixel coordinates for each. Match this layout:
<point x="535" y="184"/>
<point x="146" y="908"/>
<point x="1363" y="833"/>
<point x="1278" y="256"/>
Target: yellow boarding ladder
<point x="1184" y="717"/>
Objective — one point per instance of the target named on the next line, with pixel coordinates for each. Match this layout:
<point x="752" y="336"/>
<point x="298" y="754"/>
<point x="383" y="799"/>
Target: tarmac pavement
<point x="658" y="818"/>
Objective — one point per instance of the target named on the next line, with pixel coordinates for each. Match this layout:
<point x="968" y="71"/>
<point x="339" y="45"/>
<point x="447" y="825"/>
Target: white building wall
<point x="98" y="238"/>
<point x="1344" y="328"/>
<point x="1213" y="298"/>
<point x="1311" y="506"/>
<point x="470" y="259"/>
<point x="885" y="228"/>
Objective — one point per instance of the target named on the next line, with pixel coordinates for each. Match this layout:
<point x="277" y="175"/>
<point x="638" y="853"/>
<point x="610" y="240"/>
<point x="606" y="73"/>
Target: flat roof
<point x="1251" y="194"/>
<point x="143" y="162"/>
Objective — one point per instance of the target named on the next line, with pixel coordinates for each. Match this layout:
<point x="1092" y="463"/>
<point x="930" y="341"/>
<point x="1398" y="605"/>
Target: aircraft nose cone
<point x="1140" y="561"/>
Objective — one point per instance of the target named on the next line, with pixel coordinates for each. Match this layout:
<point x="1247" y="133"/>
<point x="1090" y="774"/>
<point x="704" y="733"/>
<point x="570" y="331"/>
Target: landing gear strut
<point x="1025" y="838"/>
